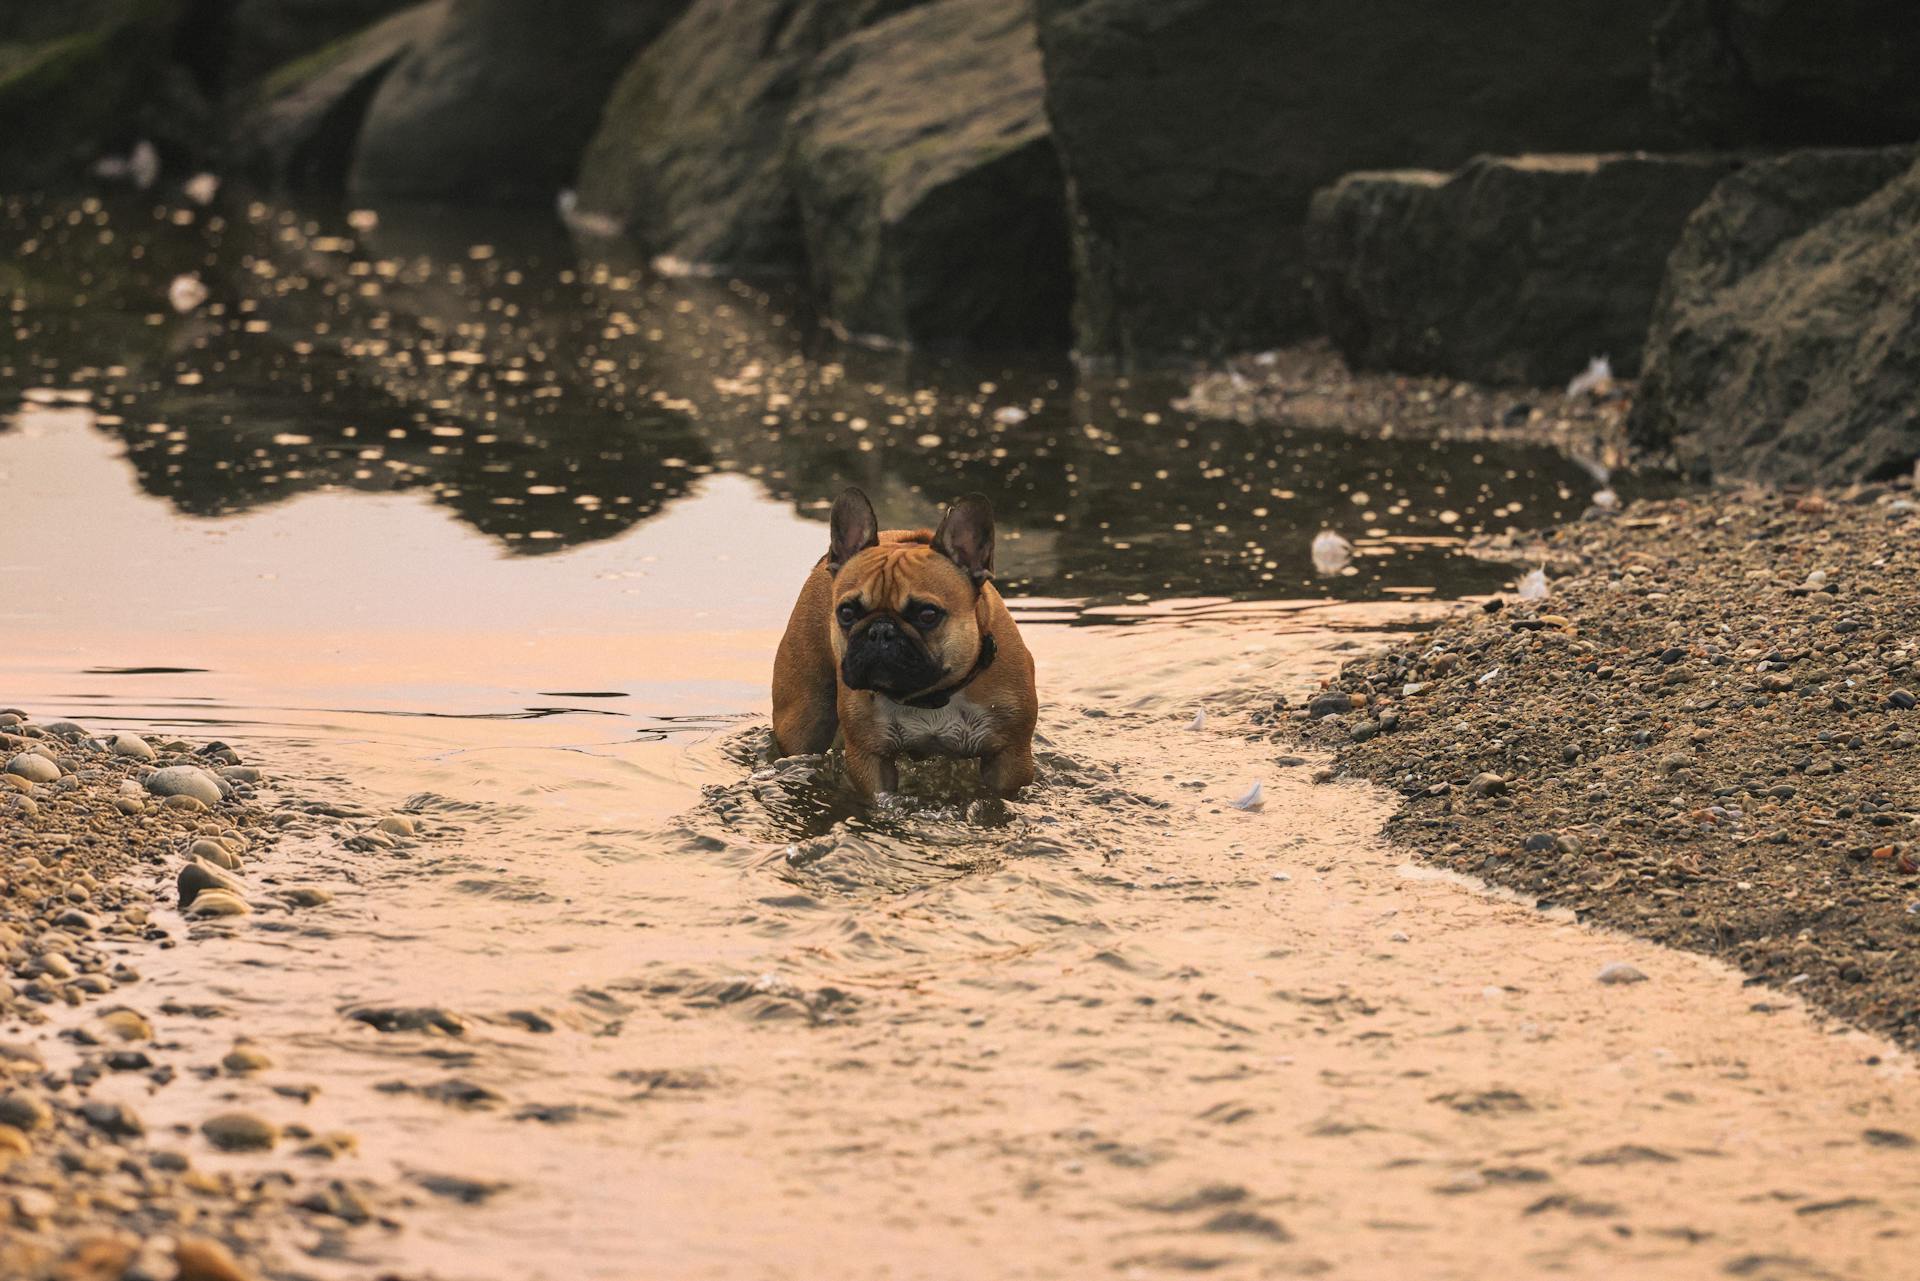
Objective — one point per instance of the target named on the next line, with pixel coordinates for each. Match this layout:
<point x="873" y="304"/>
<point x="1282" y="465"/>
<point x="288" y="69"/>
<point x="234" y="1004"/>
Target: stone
<point x="195" y="878"/>
<point x="125" y="1025"/>
<point x="25" y="1112"/>
<point x="216" y="902"/>
<point x="914" y="135"/>
<point x="1784" y="339"/>
<point x="1488" y="784"/>
<point x="690" y="158"/>
<point x="185" y="804"/>
<point x="1736" y="73"/>
<point x="1194" y="133"/>
<point x="497" y="102"/>
<point x="262" y="35"/>
<point x="33" y="767"/>
<point x="245" y="1057"/>
<point x="215" y="853"/>
<point x="116" y="1119"/>
<point x="185" y="780"/>
<point x="1619" y="972"/>
<point x="204" y="1259"/>
<point x="1514" y="269"/>
<point x="133" y="747"/>
<point x="299" y="125"/>
<point x="240" y="1132"/>
<point x="396" y="825"/>
<point x="13" y="1144"/>
<point x="305" y="896"/>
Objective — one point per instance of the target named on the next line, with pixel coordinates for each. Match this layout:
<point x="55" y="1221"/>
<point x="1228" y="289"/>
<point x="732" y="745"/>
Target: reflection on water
<point x="550" y="399"/>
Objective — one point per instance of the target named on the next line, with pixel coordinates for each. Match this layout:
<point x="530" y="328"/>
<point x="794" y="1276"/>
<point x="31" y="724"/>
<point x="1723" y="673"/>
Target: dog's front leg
<point x="872" y="774"/>
<point x="1007" y="770"/>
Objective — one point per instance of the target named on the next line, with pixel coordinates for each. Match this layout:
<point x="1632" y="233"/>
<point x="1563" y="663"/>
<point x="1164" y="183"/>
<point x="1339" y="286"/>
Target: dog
<point x="900" y="646"/>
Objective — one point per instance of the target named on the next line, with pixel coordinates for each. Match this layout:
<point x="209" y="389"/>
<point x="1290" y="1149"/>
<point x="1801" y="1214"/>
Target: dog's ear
<point x="855" y="528"/>
<point x="965" y="537"/>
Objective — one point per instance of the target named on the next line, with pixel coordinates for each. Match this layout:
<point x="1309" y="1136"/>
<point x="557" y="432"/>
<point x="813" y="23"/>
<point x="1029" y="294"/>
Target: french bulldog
<point x="900" y="646"/>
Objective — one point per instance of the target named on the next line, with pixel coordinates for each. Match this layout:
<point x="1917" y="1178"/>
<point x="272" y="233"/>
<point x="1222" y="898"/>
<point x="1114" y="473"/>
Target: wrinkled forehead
<point x="888" y="576"/>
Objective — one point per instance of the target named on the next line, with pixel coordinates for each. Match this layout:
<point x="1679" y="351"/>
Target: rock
<point x="188" y="804"/>
<point x="1515" y="269"/>
<point x="240" y="1132"/>
<point x="262" y="35"/>
<point x="132" y="746"/>
<point x="1194" y="132"/>
<point x="691" y="154"/>
<point x="125" y="1025"/>
<point x="245" y="1057"/>
<point x="13" y="1144"/>
<point x="1618" y="972"/>
<point x="1488" y="784"/>
<point x="33" y="767"/>
<point x="915" y="135"/>
<point x="129" y="804"/>
<point x="78" y="78"/>
<point x="1784" y="340"/>
<point x="215" y="853"/>
<point x="1789" y="73"/>
<point x="396" y="825"/>
<point x="305" y="896"/>
<point x="1333" y="703"/>
<point x="1902" y="699"/>
<point x="116" y="1119"/>
<point x="25" y="1112"/>
<point x="185" y="780"/>
<point x="216" y="902"/>
<point x="204" y="1259"/>
<point x="196" y="878"/>
<point x="72" y="731"/>
<point x="338" y="1201"/>
<point x="425" y="1018"/>
<point x="496" y="103"/>
<point x="302" y="121"/>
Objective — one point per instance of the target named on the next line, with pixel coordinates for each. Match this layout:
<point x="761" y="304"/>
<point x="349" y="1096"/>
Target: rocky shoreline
<point x="97" y="836"/>
<point x="1705" y="733"/>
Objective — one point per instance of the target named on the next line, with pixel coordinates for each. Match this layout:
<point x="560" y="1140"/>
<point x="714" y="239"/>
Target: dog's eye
<point x="927" y="617"/>
<point x="849" y="614"/>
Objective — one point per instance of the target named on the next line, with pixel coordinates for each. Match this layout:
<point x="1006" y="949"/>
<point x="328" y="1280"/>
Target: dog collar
<point x="937" y="698"/>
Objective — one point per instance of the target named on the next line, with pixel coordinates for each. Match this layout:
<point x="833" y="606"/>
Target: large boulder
<point x="498" y="101"/>
<point x="930" y="194"/>
<point x="302" y="123"/>
<point x="1514" y="269"/>
<point x="81" y="78"/>
<point x="1194" y="132"/>
<point x="1790" y="72"/>
<point x="690" y="156"/>
<point x="260" y="35"/>
<point x="1786" y="342"/>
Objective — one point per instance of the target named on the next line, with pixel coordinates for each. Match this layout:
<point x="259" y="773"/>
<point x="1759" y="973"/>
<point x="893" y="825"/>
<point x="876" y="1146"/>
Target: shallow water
<point x="1114" y="1026"/>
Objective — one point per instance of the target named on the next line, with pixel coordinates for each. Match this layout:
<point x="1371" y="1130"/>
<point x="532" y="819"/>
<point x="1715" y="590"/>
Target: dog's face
<point x="904" y="620"/>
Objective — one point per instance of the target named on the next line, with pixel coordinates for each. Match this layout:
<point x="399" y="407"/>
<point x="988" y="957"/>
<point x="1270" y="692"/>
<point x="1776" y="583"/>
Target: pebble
<point x="126" y="1025"/>
<point x="67" y="730"/>
<point x="188" y="804"/>
<point x="13" y="1143"/>
<point x="204" y="1259"/>
<point x="240" y="1132"/>
<point x="218" y="902"/>
<point x="245" y="1057"/>
<point x="24" y="1112"/>
<point x="112" y="1118"/>
<point x="1488" y="785"/>
<point x="396" y="825"/>
<point x="129" y="804"/>
<point x="215" y="853"/>
<point x="33" y="767"/>
<point x="1902" y="699"/>
<point x="1620" y="972"/>
<point x="306" y="896"/>
<point x="133" y="746"/>
<point x="185" y="780"/>
<point x="197" y="877"/>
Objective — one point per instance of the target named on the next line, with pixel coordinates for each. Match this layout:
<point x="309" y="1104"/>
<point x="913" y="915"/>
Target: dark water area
<point x="550" y="395"/>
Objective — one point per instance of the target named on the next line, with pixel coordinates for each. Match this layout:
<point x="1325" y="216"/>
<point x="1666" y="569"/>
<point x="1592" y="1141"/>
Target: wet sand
<point x="1707" y="734"/>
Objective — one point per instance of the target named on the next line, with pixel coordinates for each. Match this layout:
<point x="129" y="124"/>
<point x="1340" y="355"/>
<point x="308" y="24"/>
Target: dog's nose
<point x="882" y="630"/>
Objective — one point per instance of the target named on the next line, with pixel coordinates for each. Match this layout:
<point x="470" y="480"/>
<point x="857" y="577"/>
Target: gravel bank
<point x="1705" y="734"/>
<point x="110" y="846"/>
